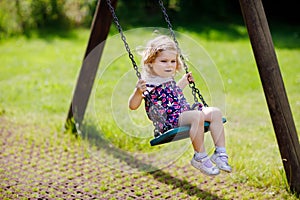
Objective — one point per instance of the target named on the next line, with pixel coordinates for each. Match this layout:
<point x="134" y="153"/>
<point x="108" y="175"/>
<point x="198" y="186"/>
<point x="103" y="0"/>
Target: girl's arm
<point x="136" y="98"/>
<point x="184" y="81"/>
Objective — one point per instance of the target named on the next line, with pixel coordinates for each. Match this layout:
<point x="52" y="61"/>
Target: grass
<point x="38" y="75"/>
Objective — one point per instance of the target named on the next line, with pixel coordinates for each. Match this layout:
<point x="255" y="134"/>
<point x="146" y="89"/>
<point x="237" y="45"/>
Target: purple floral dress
<point x="170" y="102"/>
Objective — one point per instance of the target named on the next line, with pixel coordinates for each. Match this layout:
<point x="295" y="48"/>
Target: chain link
<point x="116" y="20"/>
<point x="195" y="90"/>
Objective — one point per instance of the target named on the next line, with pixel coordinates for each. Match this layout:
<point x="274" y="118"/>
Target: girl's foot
<point x="221" y="161"/>
<point x="205" y="166"/>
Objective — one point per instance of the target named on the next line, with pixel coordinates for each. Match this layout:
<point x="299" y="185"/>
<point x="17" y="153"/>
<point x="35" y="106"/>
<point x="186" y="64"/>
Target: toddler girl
<point x="160" y="62"/>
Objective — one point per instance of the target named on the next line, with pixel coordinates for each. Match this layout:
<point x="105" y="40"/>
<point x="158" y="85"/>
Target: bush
<point x="21" y="16"/>
<point x="10" y="21"/>
<point x="47" y="12"/>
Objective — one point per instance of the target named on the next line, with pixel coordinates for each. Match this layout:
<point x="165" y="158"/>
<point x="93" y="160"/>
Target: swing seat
<point x="178" y="133"/>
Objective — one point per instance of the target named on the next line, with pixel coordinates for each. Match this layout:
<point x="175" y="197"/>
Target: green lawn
<point x="38" y="76"/>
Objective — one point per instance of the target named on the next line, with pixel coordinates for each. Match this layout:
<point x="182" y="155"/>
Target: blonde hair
<point x="153" y="48"/>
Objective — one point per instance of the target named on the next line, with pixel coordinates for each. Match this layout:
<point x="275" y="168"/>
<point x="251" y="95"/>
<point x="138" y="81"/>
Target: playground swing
<point x="173" y="134"/>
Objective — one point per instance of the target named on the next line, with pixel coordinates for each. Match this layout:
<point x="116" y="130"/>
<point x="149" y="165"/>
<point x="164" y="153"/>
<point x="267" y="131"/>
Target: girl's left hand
<point x="185" y="80"/>
<point x="189" y="77"/>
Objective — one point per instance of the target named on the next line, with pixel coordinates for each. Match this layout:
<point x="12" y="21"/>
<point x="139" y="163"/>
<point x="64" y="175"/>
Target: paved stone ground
<point x="56" y="166"/>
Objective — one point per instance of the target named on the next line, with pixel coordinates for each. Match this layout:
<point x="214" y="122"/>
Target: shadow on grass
<point x="95" y="139"/>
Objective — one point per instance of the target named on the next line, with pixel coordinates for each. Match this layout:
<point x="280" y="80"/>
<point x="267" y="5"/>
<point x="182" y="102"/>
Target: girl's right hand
<point x="141" y="86"/>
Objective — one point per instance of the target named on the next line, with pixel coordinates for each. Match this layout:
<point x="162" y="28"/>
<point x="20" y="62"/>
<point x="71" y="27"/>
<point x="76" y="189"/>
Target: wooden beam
<point x="99" y="31"/>
<point x="279" y="108"/>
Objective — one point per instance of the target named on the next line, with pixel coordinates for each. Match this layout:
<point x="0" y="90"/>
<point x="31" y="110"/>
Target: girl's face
<point x="165" y="64"/>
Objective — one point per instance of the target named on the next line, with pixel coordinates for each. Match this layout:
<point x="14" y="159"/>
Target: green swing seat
<point x="175" y="134"/>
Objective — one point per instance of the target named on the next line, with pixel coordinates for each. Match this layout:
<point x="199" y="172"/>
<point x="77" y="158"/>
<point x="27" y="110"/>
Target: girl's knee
<point x="212" y="113"/>
<point x="217" y="113"/>
<point x="198" y="116"/>
<point x="197" y="119"/>
<point x="217" y="110"/>
<point x="192" y="117"/>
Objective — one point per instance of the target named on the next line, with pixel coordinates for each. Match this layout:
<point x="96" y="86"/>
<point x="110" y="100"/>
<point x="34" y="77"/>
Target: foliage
<point x="47" y="12"/>
<point x="19" y="17"/>
<point x="22" y="16"/>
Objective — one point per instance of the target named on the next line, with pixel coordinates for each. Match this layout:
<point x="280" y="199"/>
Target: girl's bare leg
<point x="200" y="159"/>
<point x="214" y="116"/>
<point x="196" y="120"/>
<point x="220" y="158"/>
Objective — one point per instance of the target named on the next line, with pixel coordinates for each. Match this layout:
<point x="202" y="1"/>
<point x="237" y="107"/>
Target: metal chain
<point x="116" y="20"/>
<point x="192" y="85"/>
<point x="138" y="74"/>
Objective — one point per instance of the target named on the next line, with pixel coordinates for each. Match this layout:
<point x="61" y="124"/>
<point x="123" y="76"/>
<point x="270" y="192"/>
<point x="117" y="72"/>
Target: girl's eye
<point x="164" y="61"/>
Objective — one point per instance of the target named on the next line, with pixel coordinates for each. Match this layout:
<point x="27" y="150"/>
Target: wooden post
<point x="266" y="60"/>
<point x="99" y="31"/>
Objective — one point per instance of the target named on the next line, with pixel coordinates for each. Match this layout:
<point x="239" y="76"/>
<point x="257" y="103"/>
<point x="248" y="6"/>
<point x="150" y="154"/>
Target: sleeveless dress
<point x="170" y="102"/>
